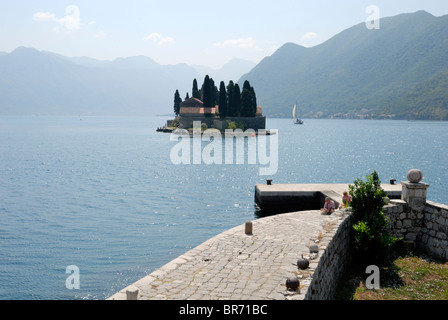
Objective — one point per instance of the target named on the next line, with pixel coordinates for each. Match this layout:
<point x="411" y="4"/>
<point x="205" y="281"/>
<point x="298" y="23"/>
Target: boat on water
<point x="294" y="119"/>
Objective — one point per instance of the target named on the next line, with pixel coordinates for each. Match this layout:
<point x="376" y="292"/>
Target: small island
<point x="228" y="107"/>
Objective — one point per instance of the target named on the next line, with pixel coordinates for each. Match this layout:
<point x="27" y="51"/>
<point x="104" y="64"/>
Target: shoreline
<point x="260" y="259"/>
<point x="228" y="132"/>
<point x="254" y="260"/>
<point x="235" y="265"/>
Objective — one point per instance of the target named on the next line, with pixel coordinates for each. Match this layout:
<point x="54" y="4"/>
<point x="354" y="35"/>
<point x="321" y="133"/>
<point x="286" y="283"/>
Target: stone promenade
<point x="234" y="265"/>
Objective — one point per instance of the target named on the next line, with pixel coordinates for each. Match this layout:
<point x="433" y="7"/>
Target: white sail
<point x="294" y="119"/>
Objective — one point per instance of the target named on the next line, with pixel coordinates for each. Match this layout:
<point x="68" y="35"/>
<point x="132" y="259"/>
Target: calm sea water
<point x="102" y="193"/>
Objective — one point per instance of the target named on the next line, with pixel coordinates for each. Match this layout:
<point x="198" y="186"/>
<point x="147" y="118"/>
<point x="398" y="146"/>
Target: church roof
<point x="192" y="103"/>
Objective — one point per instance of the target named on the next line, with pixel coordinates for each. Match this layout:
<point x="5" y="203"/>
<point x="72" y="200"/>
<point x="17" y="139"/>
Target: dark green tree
<point x="236" y="103"/>
<point x="187" y="96"/>
<point x="222" y="100"/>
<point x="215" y="89"/>
<point x="177" y="102"/>
<point x="230" y="107"/>
<point x="246" y="85"/>
<point x="246" y="101"/>
<point x="213" y="96"/>
<point x="251" y="108"/>
<point x="253" y="101"/>
<point x="195" y="92"/>
<point x="206" y="93"/>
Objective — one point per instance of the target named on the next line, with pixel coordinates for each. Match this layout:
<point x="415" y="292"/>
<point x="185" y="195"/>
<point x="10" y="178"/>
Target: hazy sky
<point x="194" y="32"/>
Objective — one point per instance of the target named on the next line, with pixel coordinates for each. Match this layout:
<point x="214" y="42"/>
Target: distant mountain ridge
<point x="46" y="83"/>
<point x="399" y="71"/>
<point x="39" y="82"/>
<point x="232" y="70"/>
<point x="359" y="71"/>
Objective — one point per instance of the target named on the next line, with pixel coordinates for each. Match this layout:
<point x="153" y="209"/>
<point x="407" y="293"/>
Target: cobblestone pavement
<point x="234" y="265"/>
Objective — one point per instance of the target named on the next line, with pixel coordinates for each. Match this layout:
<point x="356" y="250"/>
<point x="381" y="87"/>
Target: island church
<point x="192" y="109"/>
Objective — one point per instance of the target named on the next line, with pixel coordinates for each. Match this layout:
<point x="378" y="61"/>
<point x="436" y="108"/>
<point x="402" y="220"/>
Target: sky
<point x="197" y="32"/>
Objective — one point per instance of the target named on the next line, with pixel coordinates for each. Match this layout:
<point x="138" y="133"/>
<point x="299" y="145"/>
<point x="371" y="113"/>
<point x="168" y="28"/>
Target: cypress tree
<point x="177" y="102"/>
<point x="246" y="103"/>
<point x="222" y="100"/>
<point x="195" y="92"/>
<point x="230" y="107"/>
<point x="215" y="89"/>
<point x="254" y="102"/>
<point x="206" y="93"/>
<point x="246" y="85"/>
<point x="246" y="100"/>
<point x="236" y="96"/>
<point x="212" y="93"/>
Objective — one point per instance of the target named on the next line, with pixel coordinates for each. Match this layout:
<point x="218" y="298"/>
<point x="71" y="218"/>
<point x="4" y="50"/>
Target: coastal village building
<point x="193" y="109"/>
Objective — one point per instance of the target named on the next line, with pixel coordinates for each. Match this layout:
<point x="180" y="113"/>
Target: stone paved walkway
<point x="233" y="265"/>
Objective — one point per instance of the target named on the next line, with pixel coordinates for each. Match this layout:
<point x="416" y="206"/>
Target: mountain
<point x="398" y="70"/>
<point x="232" y="70"/>
<point x="39" y="82"/>
<point x="427" y="100"/>
<point x="358" y="70"/>
<point x="136" y="62"/>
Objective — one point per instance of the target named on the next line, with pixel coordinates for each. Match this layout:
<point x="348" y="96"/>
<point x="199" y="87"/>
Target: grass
<point x="411" y="276"/>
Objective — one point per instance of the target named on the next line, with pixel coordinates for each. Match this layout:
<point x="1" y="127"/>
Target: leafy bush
<point x="371" y="236"/>
<point x="175" y="122"/>
<point x="233" y="125"/>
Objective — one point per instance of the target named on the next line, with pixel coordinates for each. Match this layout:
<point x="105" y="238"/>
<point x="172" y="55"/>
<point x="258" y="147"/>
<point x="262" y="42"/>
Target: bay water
<point x="103" y="194"/>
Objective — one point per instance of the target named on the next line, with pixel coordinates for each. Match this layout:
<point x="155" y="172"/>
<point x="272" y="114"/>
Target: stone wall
<point x="426" y="230"/>
<point x="256" y="123"/>
<point x="403" y="222"/>
<point x="334" y="256"/>
<point x="186" y="122"/>
<point x="421" y="224"/>
<point x="433" y="236"/>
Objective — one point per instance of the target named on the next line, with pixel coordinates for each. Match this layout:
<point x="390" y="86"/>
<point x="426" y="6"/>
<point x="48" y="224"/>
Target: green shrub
<point x="233" y="125"/>
<point x="175" y="122"/>
<point x="371" y="236"/>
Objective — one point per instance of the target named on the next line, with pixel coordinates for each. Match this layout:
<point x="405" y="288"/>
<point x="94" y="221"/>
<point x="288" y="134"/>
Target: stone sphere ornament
<point x="314" y="248"/>
<point x="292" y="283"/>
<point x="303" y="263"/>
<point x="414" y="175"/>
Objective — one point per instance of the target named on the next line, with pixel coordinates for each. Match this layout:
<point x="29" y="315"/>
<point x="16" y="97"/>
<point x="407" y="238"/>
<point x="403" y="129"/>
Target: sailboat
<point x="294" y="119"/>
